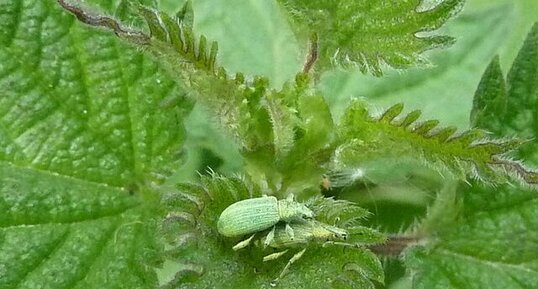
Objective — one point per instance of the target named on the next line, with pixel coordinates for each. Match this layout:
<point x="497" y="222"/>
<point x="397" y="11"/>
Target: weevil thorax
<point x="290" y="210"/>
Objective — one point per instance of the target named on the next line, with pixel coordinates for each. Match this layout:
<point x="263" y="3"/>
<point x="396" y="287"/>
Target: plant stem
<point x="395" y="245"/>
<point x="104" y="21"/>
<point x="313" y="54"/>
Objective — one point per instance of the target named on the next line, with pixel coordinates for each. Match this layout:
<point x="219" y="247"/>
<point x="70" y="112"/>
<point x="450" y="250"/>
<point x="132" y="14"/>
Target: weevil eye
<point x="340" y="236"/>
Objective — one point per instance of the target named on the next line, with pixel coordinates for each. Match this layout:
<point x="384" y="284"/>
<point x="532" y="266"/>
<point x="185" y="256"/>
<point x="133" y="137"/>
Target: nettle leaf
<point x="208" y="261"/>
<point x="490" y="99"/>
<point x="62" y="232"/>
<point x="431" y="89"/>
<point x="369" y="34"/>
<point x="276" y="129"/>
<point x="192" y="61"/>
<point x="494" y="244"/>
<point x="310" y="130"/>
<point x="87" y="130"/>
<point x="508" y="108"/>
<point x="523" y="91"/>
<point x="265" y="121"/>
<point x="364" y="137"/>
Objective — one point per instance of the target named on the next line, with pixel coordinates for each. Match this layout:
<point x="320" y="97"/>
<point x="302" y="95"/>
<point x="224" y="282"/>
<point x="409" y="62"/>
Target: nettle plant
<point x="92" y="137"/>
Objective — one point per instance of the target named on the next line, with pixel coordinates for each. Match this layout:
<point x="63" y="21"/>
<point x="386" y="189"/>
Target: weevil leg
<point x="243" y="243"/>
<point x="340" y="244"/>
<point x="293" y="259"/>
<point x="274" y="256"/>
<point x="289" y="231"/>
<point x="269" y="238"/>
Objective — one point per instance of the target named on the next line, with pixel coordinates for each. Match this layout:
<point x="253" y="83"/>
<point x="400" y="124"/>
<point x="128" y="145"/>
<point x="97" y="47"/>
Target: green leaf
<point x="489" y="104"/>
<point x="368" y="34"/>
<point x="88" y="127"/>
<point x="365" y="138"/>
<point x="206" y="259"/>
<point x="518" y="96"/>
<point x="523" y="96"/>
<point x="192" y="61"/>
<point x="268" y="124"/>
<point x="432" y="90"/>
<point x="62" y="232"/>
<point x="494" y="244"/>
<point x="509" y="109"/>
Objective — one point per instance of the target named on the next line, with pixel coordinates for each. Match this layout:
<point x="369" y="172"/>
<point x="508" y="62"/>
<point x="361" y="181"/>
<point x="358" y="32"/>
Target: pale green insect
<point x="258" y="214"/>
<point x="305" y="233"/>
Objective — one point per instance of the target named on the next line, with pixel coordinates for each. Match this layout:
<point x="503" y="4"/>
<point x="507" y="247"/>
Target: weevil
<point x="258" y="214"/>
<point x="305" y="233"/>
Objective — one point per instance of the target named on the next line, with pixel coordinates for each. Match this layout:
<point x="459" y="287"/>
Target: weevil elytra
<point x="305" y="233"/>
<point x="258" y="214"/>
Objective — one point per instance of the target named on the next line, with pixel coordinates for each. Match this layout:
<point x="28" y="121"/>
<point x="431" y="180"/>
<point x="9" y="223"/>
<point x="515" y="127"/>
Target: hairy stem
<point x="530" y="177"/>
<point x="395" y="245"/>
<point x="105" y="22"/>
<point x="313" y="54"/>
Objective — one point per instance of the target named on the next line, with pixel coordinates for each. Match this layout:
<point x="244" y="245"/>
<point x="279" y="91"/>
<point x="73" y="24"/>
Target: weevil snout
<point x="337" y="233"/>
<point x="306" y="213"/>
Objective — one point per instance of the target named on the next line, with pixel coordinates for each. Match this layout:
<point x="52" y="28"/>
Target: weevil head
<point x="337" y="233"/>
<point x="341" y="235"/>
<point x="291" y="210"/>
<point x="325" y="232"/>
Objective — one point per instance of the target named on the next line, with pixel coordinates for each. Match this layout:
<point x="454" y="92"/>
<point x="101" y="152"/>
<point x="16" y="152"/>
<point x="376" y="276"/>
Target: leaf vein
<point x="17" y="12"/>
<point x="55" y="248"/>
<point x="495" y="265"/>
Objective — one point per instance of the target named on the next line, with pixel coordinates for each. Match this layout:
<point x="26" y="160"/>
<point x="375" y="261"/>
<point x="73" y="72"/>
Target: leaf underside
<point x="398" y="137"/>
<point x="508" y="107"/>
<point x="368" y="34"/>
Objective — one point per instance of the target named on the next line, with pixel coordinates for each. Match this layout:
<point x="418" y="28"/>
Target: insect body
<point x="305" y="233"/>
<point x="258" y="214"/>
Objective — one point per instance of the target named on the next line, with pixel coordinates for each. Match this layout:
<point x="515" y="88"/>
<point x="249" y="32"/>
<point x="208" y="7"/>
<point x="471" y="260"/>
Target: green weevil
<point x="258" y="214"/>
<point x="305" y="233"/>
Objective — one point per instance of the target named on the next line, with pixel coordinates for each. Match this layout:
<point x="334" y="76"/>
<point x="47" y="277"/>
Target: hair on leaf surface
<point x="363" y="136"/>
